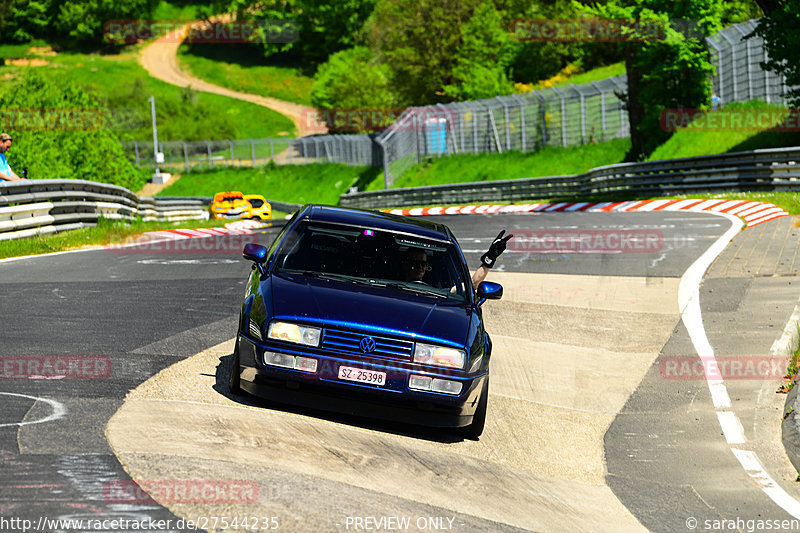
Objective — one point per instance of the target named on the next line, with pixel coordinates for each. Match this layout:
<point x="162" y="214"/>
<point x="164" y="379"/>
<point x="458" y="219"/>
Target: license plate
<point x="349" y="373"/>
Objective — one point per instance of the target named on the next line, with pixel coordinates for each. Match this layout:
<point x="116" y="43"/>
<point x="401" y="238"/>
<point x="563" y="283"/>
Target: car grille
<point x="349" y="342"/>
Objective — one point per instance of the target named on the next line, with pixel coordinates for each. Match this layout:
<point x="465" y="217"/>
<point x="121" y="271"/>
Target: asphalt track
<point x="575" y="379"/>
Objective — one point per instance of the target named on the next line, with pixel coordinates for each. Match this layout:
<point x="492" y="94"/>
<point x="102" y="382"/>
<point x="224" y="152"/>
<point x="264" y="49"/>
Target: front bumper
<point x="324" y="390"/>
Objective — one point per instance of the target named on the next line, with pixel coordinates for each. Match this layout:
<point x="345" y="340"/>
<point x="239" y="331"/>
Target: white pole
<point x="152" y="100"/>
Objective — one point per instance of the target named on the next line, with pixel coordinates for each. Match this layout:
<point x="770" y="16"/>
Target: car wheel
<point x="233" y="382"/>
<point x="474" y="430"/>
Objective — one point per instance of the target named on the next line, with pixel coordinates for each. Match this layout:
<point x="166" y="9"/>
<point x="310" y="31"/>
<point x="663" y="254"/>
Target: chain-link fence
<point x="738" y="60"/>
<point x="558" y="116"/>
<point x="356" y="150"/>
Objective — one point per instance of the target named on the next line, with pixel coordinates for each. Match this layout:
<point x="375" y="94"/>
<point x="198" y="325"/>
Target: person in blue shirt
<point x="5" y="171"/>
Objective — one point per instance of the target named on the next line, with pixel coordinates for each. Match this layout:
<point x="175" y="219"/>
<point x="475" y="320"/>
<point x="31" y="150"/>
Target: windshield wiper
<point x="336" y="277"/>
<point x="415" y="288"/>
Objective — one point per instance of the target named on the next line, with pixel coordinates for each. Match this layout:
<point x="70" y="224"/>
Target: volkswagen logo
<point x="367" y="344"/>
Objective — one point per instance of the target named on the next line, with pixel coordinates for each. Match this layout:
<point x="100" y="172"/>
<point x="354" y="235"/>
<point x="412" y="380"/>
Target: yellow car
<point x="259" y="207"/>
<point x="229" y="205"/>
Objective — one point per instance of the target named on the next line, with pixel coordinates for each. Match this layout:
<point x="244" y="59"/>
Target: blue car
<point x="366" y="313"/>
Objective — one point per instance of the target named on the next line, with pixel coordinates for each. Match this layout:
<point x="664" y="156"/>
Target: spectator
<point x="715" y="101"/>
<point x="5" y="171"/>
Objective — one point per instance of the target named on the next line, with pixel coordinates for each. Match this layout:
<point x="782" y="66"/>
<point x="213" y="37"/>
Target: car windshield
<point x="401" y="262"/>
<point x="255" y="202"/>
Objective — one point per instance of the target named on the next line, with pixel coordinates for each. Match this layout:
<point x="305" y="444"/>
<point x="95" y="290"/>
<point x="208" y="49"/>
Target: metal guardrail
<point x="757" y="170"/>
<point x="34" y="207"/>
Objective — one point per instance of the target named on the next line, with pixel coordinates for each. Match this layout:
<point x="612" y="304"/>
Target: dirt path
<point x="161" y="61"/>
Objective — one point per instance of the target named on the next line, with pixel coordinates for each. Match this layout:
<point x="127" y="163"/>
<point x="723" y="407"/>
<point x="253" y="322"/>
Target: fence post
<point x="733" y="66"/>
<point x="719" y="89"/>
<point x="508" y="126"/>
<point x="563" y="117"/>
<point x="602" y="107"/>
<point x="543" y="113"/>
<point x="136" y="151"/>
<point x="619" y="86"/>
<point x="208" y="147"/>
<point x="583" y="111"/>
<point x="521" y="120"/>
<point x="474" y="127"/>
<point x="185" y="156"/>
<point x="252" y="151"/>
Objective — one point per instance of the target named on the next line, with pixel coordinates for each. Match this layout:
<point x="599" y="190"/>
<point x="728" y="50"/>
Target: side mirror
<point x="257" y="254"/>
<point x="488" y="290"/>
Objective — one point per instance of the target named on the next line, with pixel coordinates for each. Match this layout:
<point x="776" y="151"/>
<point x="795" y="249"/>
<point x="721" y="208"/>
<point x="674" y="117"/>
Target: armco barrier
<point x="757" y="170"/>
<point x="33" y="207"/>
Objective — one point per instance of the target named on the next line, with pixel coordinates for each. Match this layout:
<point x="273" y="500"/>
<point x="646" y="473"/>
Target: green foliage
<point x="420" y="41"/>
<point x="352" y="80"/>
<point x="72" y="23"/>
<point x="669" y="69"/>
<point x="50" y="151"/>
<point x="482" y="60"/>
<point x="321" y="27"/>
<point x="780" y="29"/>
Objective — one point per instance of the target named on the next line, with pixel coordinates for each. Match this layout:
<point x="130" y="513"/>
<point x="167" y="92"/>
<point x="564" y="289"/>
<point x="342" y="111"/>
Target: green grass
<point x="317" y="183"/>
<point x="106" y="231"/>
<point x="550" y="161"/>
<point x="596" y="74"/>
<point x="243" y="68"/>
<point x="176" y="11"/>
<point x="693" y="141"/>
<point x="120" y="83"/>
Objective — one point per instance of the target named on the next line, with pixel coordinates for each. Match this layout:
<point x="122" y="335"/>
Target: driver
<point x="415" y="261"/>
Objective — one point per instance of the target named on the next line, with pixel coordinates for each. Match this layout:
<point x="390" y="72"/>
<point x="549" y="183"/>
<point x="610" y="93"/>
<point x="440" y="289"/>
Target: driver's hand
<point x="497" y="247"/>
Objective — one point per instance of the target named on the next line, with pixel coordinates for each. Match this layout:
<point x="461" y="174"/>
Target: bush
<point x="350" y="83"/>
<point x="59" y="133"/>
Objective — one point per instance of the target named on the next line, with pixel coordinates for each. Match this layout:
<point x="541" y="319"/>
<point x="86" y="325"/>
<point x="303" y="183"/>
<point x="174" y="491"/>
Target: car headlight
<point x="286" y="331"/>
<point x="430" y="354"/>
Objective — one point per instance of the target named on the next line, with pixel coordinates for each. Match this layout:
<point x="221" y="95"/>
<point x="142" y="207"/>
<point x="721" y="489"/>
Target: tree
<point x="353" y="92"/>
<point x="308" y="29"/>
<point x="420" y="41"/>
<point x="60" y="131"/>
<point x="481" y="62"/>
<point x="665" y="69"/>
<point x="780" y="29"/>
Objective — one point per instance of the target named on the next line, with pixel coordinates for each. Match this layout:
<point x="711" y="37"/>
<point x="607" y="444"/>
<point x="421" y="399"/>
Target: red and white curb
<point x="752" y="213"/>
<point x="239" y="227"/>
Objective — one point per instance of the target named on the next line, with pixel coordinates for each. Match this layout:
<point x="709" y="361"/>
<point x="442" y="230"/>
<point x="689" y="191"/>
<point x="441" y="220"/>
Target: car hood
<point x="378" y="309"/>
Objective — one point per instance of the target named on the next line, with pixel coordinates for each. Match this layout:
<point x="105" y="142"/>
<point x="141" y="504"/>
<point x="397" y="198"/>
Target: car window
<point x="377" y="257"/>
<point x="255" y="202"/>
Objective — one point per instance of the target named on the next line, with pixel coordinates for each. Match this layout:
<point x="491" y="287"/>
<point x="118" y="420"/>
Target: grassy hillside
<point x="551" y="161"/>
<point x="243" y="68"/>
<point x="712" y="135"/>
<point x="120" y="83"/>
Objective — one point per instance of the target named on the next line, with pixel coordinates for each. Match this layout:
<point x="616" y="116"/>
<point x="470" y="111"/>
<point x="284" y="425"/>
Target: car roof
<point x="377" y="220"/>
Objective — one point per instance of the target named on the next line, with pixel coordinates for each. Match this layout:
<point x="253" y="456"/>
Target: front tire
<point x="234" y="384"/>
<point x="475" y="429"/>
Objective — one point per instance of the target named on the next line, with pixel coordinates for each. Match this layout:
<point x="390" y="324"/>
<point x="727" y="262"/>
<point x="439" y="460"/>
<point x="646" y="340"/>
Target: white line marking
<point x="752" y="466"/>
<point x="58" y="410"/>
<point x="731" y="427"/>
<point x="689" y="303"/>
